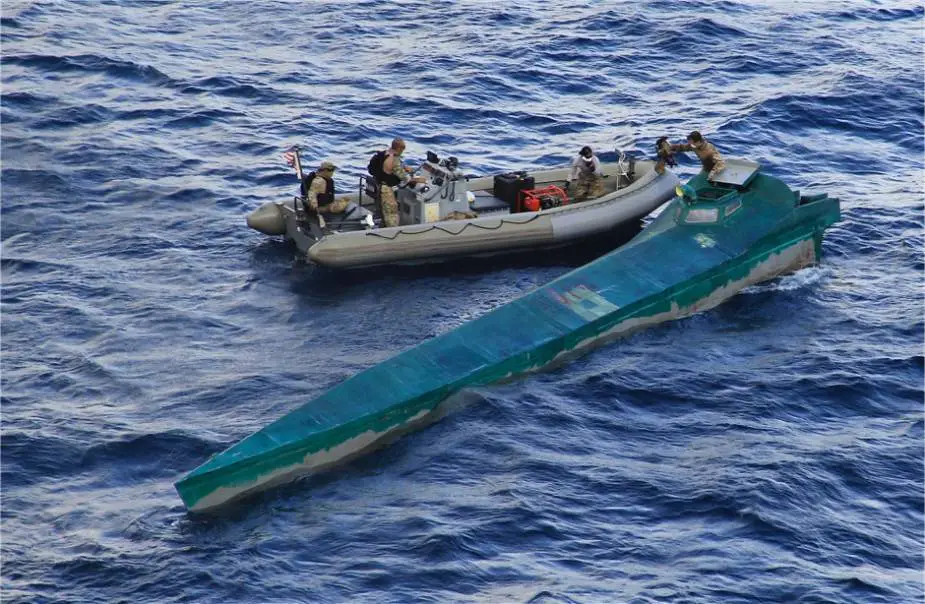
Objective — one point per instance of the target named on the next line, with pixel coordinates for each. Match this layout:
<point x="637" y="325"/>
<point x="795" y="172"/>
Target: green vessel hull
<point x="692" y="257"/>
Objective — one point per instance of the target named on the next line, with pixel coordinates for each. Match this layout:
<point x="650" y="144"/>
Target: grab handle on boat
<point x="686" y="193"/>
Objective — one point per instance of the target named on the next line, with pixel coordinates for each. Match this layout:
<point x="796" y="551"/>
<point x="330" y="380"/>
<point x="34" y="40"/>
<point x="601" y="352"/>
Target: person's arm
<point x="682" y="147"/>
<point x="597" y="165"/>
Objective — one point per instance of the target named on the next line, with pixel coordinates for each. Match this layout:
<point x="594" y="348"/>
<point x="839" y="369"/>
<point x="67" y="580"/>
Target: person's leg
<point x="596" y="187"/>
<point x="337" y="206"/>
<point x="581" y="189"/>
<point x="389" y="206"/>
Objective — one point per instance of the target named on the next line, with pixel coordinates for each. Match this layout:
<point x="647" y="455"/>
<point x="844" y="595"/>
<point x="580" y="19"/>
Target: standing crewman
<point x="389" y="171"/>
<point x="586" y="169"/>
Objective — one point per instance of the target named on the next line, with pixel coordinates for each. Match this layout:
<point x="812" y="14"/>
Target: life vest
<point x="376" y="170"/>
<point x="323" y="198"/>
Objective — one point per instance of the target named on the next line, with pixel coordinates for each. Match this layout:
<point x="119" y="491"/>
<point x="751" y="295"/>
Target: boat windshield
<point x="702" y="212"/>
<point x="702" y="215"/>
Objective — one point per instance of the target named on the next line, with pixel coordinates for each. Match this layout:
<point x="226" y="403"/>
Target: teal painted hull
<point x="692" y="257"/>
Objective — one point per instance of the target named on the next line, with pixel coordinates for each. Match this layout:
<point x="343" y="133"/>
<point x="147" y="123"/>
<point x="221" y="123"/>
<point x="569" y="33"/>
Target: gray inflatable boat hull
<point x="486" y="235"/>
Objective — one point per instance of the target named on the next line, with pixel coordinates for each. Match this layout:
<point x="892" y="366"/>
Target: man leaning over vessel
<point x="586" y="170"/>
<point x="393" y="173"/>
<point x="709" y="157"/>
<point x="320" y="195"/>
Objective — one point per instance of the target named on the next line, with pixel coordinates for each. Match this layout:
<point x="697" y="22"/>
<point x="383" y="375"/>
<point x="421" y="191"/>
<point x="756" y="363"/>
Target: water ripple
<point x="767" y="450"/>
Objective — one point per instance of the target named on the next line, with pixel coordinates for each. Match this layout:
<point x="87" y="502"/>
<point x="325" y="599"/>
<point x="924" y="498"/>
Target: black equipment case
<point x="508" y="187"/>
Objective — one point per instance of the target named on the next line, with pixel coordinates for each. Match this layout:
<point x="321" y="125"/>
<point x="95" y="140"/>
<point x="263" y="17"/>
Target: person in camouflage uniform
<point x="586" y="170"/>
<point x="709" y="157"/>
<point x="393" y="166"/>
<point x="320" y="195"/>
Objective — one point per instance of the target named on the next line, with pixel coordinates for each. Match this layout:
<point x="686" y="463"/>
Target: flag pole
<point x="298" y="163"/>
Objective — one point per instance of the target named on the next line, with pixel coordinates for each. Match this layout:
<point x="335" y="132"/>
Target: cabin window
<point x="702" y="215"/>
<point x="732" y="207"/>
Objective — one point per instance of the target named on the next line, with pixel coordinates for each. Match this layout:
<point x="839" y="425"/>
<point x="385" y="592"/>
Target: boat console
<point x="444" y="192"/>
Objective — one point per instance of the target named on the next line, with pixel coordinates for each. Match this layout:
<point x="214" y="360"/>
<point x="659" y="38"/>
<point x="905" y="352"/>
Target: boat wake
<point x="803" y="278"/>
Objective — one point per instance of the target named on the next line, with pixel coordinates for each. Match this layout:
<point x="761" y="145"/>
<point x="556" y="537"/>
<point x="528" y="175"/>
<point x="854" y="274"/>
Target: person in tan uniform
<point x="393" y="173"/>
<point x="709" y="157"/>
<point x="320" y="194"/>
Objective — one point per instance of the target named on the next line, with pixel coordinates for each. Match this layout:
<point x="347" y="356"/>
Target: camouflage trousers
<point x="335" y="207"/>
<point x="389" y="206"/>
<point x="588" y="187"/>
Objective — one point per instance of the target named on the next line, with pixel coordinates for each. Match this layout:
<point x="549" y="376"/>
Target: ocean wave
<point x="878" y="14"/>
<point x="91" y="64"/>
<point x="768" y="449"/>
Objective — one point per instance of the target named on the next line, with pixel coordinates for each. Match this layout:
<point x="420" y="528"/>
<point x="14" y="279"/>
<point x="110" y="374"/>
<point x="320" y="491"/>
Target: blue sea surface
<point x="768" y="450"/>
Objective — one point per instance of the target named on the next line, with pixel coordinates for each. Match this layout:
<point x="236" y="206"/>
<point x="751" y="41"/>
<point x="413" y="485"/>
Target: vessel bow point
<point x="709" y="242"/>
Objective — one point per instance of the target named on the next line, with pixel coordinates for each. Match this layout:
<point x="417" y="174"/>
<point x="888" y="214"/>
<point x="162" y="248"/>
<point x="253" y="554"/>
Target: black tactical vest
<point x="323" y="198"/>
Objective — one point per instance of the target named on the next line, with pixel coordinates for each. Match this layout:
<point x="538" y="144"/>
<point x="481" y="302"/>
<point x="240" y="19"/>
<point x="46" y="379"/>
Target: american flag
<point x="289" y="156"/>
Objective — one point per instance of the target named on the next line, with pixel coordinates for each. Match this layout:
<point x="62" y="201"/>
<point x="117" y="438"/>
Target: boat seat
<point x="349" y="218"/>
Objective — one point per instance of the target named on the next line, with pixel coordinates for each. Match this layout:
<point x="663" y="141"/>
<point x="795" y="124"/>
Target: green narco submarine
<point x="708" y="243"/>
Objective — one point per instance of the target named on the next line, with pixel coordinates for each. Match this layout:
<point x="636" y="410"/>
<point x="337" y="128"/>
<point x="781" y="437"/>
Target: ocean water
<point x="769" y="450"/>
